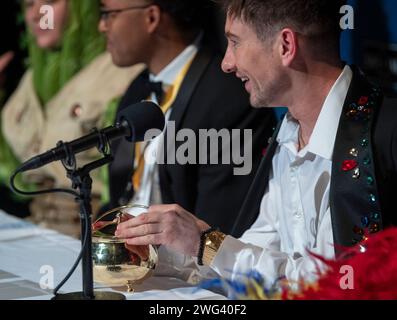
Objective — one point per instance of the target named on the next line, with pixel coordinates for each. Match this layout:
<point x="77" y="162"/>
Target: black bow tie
<point x="157" y="89"/>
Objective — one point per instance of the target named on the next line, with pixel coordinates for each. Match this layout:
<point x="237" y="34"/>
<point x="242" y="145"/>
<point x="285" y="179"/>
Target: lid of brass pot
<point x="115" y="263"/>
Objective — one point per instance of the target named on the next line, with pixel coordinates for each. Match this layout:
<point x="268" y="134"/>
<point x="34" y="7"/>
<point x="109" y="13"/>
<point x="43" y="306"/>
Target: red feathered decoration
<point x="368" y="271"/>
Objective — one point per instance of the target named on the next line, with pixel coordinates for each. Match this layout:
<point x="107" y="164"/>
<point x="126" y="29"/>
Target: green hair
<point x="81" y="43"/>
<point x="52" y="69"/>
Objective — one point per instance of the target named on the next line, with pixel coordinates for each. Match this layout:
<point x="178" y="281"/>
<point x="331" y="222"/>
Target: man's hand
<point x="168" y="225"/>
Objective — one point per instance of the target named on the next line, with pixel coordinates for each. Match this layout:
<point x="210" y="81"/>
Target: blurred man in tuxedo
<point x="184" y="76"/>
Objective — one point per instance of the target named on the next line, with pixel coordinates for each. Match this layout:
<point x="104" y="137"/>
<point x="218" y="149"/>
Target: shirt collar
<point x="288" y="130"/>
<point x="169" y="74"/>
<point x="323" y="137"/>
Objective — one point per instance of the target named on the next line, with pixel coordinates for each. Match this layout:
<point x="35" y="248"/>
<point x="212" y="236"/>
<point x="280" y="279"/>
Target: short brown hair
<point x="318" y="19"/>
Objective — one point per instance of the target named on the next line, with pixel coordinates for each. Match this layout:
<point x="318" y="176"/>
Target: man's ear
<point x="153" y="18"/>
<point x="288" y="46"/>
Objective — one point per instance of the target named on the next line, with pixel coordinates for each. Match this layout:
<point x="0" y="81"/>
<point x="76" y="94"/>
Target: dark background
<point x="10" y="31"/>
<point x="372" y="45"/>
<point x="10" y="40"/>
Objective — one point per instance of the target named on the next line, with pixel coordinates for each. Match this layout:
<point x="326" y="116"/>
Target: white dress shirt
<point x="149" y="192"/>
<point x="294" y="214"/>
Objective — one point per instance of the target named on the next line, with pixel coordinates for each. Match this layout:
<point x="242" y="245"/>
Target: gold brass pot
<point x="114" y="262"/>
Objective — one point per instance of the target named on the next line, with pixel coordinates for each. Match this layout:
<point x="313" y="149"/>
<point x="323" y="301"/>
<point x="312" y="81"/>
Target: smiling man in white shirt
<point x="295" y="213"/>
<point x="316" y="188"/>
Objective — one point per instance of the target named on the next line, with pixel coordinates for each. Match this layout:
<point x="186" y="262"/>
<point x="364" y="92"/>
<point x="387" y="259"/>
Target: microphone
<point x="132" y="123"/>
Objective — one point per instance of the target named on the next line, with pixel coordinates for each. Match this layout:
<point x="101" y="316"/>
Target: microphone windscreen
<point x="141" y="117"/>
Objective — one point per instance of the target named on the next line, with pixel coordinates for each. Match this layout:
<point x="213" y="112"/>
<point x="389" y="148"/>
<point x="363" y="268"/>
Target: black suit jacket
<point x="208" y="99"/>
<point x="362" y="205"/>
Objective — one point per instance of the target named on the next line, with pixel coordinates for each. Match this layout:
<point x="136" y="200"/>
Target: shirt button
<point x="76" y="111"/>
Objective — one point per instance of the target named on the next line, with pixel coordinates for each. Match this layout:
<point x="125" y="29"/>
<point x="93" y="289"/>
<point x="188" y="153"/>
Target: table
<point x="29" y="254"/>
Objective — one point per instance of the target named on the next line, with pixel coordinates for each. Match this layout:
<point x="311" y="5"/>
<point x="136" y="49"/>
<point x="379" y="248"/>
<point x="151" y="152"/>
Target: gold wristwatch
<point x="212" y="243"/>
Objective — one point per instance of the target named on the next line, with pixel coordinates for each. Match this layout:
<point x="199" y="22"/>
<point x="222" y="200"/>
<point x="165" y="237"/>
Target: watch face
<point x="216" y="238"/>
<point x="212" y="244"/>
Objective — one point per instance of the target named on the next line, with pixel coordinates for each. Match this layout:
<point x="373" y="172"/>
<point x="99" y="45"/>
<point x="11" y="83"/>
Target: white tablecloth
<point x="27" y="252"/>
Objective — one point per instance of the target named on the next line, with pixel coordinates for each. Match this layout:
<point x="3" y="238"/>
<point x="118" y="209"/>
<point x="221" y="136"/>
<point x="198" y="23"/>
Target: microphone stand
<point x="82" y="182"/>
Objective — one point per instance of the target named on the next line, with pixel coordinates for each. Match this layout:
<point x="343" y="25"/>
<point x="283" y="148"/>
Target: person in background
<point x="71" y="86"/>
<point x="173" y="38"/>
